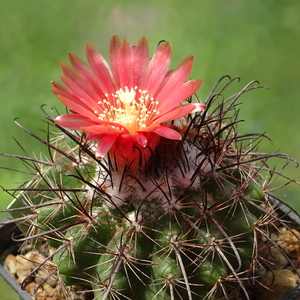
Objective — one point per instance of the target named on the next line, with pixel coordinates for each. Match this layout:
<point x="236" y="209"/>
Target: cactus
<point x="179" y="218"/>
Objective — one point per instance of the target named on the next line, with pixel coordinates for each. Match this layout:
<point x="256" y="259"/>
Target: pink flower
<point x="130" y="99"/>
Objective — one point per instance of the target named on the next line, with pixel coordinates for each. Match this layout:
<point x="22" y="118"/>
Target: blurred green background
<point x="252" y="39"/>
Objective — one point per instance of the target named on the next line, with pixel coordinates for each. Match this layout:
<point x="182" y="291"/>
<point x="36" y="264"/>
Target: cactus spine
<point x="179" y="221"/>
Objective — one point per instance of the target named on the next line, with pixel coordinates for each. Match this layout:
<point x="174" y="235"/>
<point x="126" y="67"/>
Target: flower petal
<point x="125" y="65"/>
<point x="141" y="139"/>
<point x="185" y="91"/>
<point x="176" y="78"/>
<point x="101" y="69"/>
<point x="140" y="62"/>
<point x="87" y="74"/>
<point x="158" y="67"/>
<point x="199" y="107"/>
<point x="79" y="86"/>
<point x="114" y="55"/>
<point x="104" y="145"/>
<point x="73" y="121"/>
<point x="168" y="132"/>
<point x="77" y="108"/>
<point x="64" y="93"/>
<point x="176" y="113"/>
<point x="101" y="130"/>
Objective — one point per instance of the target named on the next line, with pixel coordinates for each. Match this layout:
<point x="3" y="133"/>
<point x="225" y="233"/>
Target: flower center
<point x="132" y="108"/>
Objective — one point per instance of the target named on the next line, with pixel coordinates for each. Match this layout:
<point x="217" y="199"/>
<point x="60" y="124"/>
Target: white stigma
<point x="126" y="96"/>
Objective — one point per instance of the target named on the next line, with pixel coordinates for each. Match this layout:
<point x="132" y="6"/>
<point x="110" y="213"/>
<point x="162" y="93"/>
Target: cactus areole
<point x="148" y="194"/>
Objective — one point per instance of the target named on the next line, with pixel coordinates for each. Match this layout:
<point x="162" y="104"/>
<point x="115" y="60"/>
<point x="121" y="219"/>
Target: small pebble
<point x="289" y="242"/>
<point x="275" y="284"/>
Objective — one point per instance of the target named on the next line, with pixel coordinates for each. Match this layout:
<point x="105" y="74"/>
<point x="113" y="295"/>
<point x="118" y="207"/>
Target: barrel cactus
<point x="142" y="196"/>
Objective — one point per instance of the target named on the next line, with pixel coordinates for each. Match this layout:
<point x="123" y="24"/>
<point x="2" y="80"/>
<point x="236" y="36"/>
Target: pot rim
<point x="8" y="246"/>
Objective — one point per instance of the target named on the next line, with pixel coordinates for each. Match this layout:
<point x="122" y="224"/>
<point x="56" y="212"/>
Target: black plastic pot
<point x="8" y="246"/>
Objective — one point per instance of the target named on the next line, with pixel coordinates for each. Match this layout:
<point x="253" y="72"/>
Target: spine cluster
<point x="185" y="223"/>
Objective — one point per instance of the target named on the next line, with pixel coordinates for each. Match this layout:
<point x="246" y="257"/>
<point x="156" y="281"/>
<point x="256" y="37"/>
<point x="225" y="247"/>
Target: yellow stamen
<point x="134" y="114"/>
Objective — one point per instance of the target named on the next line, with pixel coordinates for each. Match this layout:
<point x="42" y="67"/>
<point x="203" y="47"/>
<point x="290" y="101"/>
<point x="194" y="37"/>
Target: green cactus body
<point x="182" y="225"/>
